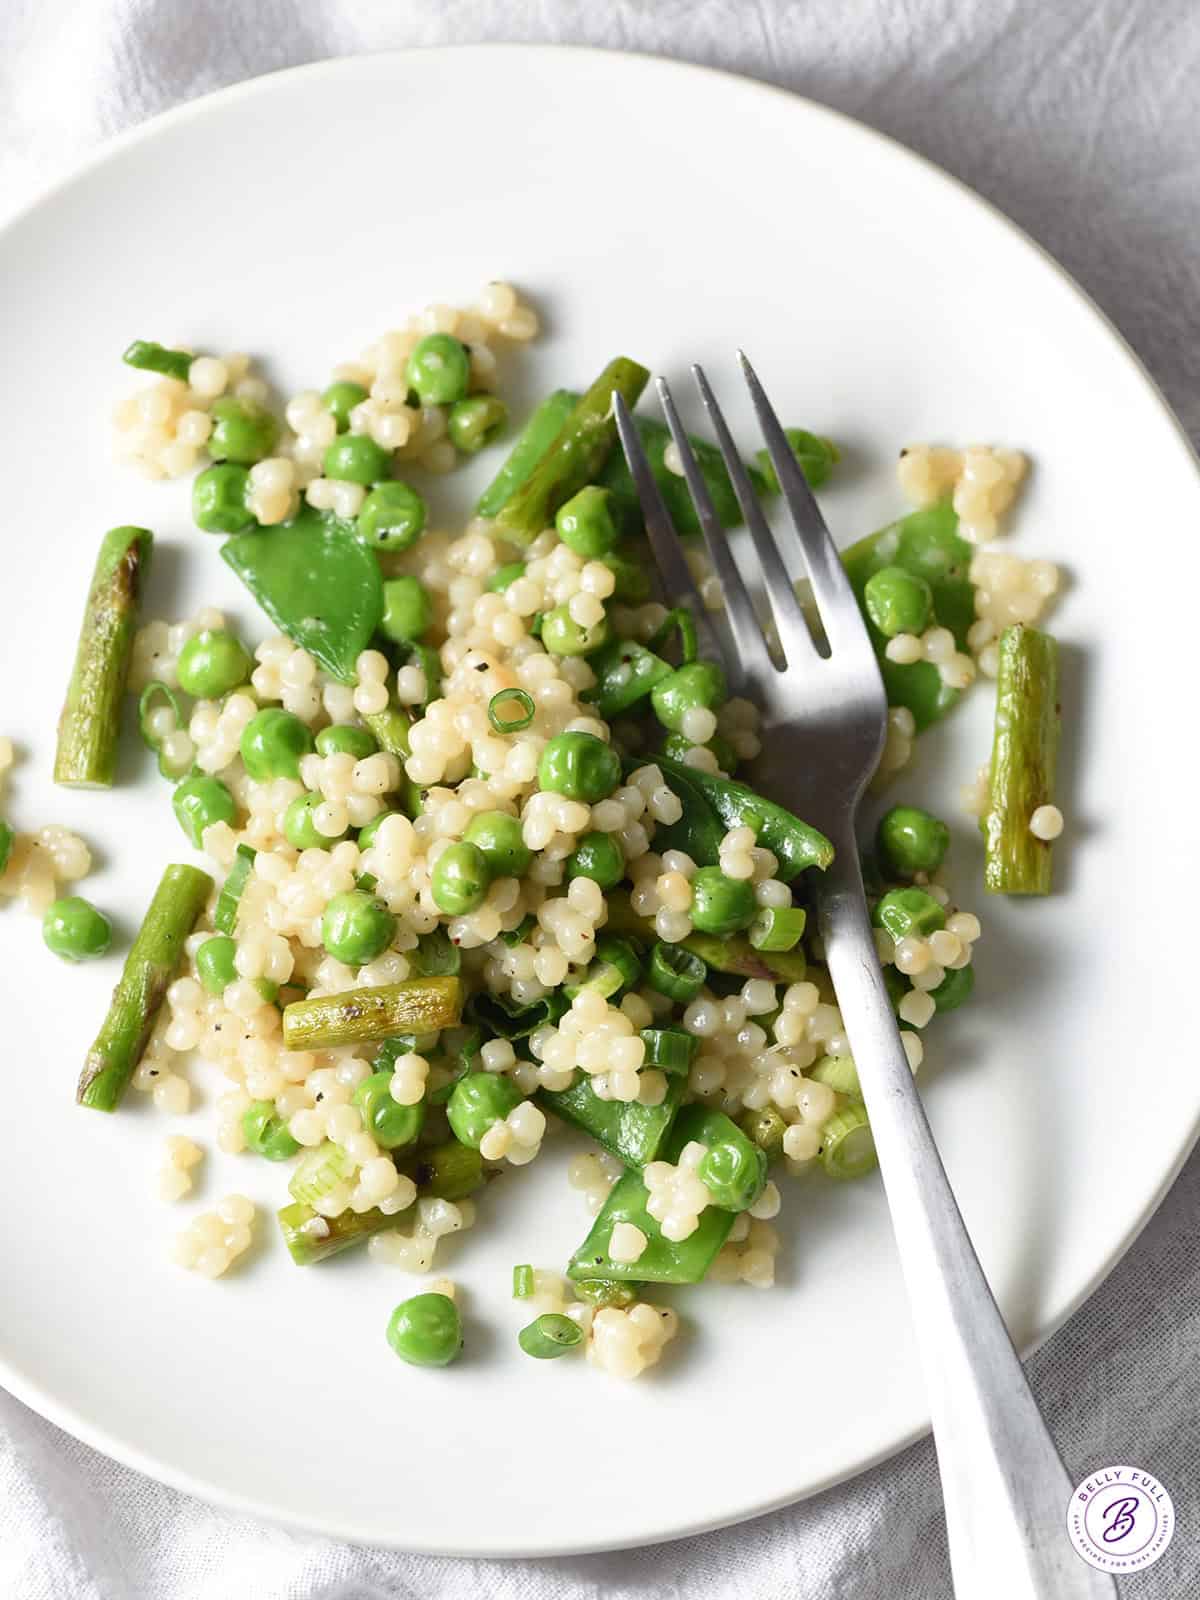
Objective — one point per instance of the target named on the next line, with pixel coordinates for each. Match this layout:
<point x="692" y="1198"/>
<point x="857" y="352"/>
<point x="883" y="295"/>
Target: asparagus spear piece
<point x="419" y="1005"/>
<point x="391" y="728"/>
<point x="449" y="1171"/>
<point x="1024" y="755"/>
<point x="575" y="457"/>
<point x="539" y="433"/>
<point x="87" y="730"/>
<point x="149" y="968"/>
<point x="816" y="455"/>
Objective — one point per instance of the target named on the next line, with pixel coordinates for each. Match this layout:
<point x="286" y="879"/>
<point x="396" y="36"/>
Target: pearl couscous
<point x="477" y="864"/>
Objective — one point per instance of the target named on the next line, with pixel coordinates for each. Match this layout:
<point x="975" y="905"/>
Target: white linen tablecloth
<point x="1080" y="119"/>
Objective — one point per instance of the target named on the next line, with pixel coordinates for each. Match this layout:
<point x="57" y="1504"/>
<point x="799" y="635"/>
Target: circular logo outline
<point x="1120" y="1518"/>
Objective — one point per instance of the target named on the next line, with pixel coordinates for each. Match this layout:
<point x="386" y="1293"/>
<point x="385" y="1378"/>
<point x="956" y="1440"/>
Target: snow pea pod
<point x="927" y="545"/>
<point x="632" y="1132"/>
<point x="699" y="830"/>
<point x="502" y="1017"/>
<point x="317" y="582"/>
<point x="734" y="1170"/>
<point x="626" y="672"/>
<point x="662" y="1261"/>
<point x="796" y="844"/>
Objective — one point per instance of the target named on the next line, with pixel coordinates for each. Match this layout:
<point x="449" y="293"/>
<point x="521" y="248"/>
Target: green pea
<point x="698" y="684"/>
<point x="219" y="499"/>
<point x="587" y="523"/>
<point x="909" y="911"/>
<point x="392" y="516"/>
<point x="344" y="739"/>
<point x="499" y="837"/>
<point x="721" y="905"/>
<point x="340" y="400"/>
<point x="299" y="828"/>
<point x="910" y="840"/>
<point x="213" y="662"/>
<point x="677" y="745"/>
<point x="480" y="1100"/>
<point x="75" y="930"/>
<point x="439" y="369"/>
<point x="243" y="431"/>
<point x="599" y="857"/>
<point x="733" y="1174"/>
<point x="503" y="576"/>
<point x="549" y="1336"/>
<point x="6" y="843"/>
<point x="356" y="927"/>
<point x="267" y="1133"/>
<point x="215" y="963"/>
<point x="580" y="766"/>
<point x="475" y="422"/>
<point x="954" y="988"/>
<point x="426" y="1331"/>
<point x="272" y="744"/>
<point x="460" y="879"/>
<point x="407" y="610"/>
<point x="390" y="1124"/>
<point x="563" y="636"/>
<point x="356" y="458"/>
<point x="898" y="601"/>
<point x="366" y="834"/>
<point x="199" y="802"/>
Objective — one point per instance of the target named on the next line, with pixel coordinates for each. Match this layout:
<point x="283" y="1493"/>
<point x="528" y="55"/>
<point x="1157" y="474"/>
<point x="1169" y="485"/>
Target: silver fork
<point x="1003" y="1483"/>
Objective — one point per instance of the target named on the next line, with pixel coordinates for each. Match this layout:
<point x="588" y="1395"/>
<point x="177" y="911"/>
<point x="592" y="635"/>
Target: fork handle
<point x="1005" y="1489"/>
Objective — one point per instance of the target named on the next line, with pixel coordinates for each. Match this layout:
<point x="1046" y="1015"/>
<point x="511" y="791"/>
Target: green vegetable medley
<point x="485" y="852"/>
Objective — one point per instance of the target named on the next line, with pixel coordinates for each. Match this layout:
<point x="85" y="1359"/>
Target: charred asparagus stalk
<point x="575" y="457"/>
<point x="149" y="968"/>
<point x="419" y="1005"/>
<point x="1024" y="756"/>
<point x="87" y="730"/>
<point x="449" y="1171"/>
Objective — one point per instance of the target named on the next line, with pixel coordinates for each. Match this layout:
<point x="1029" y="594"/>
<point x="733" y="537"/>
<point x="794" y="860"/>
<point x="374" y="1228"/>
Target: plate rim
<point x="29" y="1391"/>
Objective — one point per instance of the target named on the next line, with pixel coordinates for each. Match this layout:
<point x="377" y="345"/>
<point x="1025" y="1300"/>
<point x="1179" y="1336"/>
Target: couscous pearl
<point x="627" y="1242"/>
<point x="917" y="1008"/>
<point x="913" y="1049"/>
<point x="1046" y="823"/>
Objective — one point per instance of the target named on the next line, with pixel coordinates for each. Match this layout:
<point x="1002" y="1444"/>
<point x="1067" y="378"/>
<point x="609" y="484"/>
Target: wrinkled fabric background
<point x="1081" y="120"/>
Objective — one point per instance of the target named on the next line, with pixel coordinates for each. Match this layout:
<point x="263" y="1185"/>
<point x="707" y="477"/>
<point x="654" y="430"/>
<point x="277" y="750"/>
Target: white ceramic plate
<point x="668" y="213"/>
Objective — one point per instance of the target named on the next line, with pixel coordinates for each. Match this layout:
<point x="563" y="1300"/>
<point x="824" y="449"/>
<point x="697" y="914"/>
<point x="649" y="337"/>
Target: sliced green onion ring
<point x="669" y="1049"/>
<point x="225" y="915"/>
<point x="510" y="697"/>
<point x="847" y="1144"/>
<point x="679" y="620"/>
<point x="153" y="692"/>
<point x="676" y="972"/>
<point x="777" y="928"/>
<point x="550" y="1336"/>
